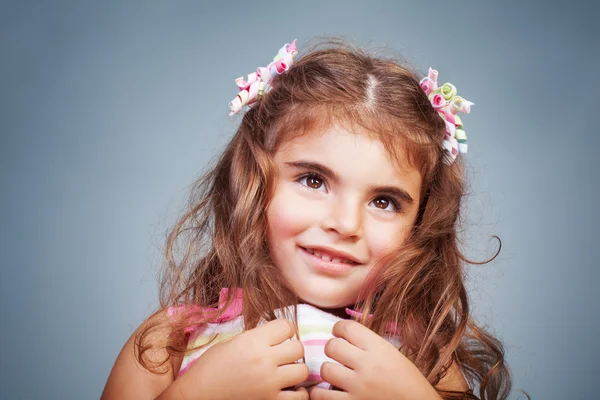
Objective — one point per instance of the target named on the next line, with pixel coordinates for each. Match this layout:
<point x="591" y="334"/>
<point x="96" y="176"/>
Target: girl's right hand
<point x="257" y="364"/>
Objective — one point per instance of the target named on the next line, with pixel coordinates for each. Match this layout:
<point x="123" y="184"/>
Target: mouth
<point x="330" y="256"/>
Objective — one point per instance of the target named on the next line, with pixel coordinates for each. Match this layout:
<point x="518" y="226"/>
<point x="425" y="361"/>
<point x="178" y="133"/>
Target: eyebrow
<point x="331" y="175"/>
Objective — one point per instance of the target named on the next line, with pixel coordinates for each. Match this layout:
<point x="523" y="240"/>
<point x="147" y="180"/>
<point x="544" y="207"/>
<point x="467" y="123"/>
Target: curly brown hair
<point x="220" y="241"/>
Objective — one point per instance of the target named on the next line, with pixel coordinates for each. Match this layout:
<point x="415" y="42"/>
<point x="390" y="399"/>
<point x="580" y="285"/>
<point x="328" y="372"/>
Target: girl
<point x="337" y="200"/>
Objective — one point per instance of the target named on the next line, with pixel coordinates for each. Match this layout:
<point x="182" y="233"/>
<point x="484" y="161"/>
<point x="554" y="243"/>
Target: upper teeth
<point x="327" y="257"/>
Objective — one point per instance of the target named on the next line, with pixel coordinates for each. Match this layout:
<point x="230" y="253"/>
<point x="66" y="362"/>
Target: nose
<point x="344" y="217"/>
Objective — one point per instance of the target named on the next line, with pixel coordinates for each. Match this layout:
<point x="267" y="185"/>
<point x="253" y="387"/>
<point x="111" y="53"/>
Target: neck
<point x="339" y="312"/>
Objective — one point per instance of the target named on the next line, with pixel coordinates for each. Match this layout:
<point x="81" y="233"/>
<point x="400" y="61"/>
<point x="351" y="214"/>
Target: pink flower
<point x="438" y="101"/>
<point x="281" y="66"/>
<point x="426" y="86"/>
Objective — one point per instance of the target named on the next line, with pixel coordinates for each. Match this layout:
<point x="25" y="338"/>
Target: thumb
<point x="303" y="393"/>
<point x="316" y="393"/>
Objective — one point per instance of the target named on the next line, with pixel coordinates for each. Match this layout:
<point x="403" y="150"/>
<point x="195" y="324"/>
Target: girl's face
<point x="340" y="205"/>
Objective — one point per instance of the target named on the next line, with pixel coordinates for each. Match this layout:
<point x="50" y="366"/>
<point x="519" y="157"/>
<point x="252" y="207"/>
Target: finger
<point x="357" y="334"/>
<point x="317" y="393"/>
<point x="337" y="375"/>
<point x="276" y="331"/>
<point x="298" y="394"/>
<point x="291" y="375"/>
<point x="343" y="352"/>
<point x="288" y="352"/>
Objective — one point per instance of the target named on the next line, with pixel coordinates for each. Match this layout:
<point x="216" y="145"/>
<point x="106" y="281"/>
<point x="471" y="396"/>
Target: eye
<point x="312" y="181"/>
<point x="386" y="204"/>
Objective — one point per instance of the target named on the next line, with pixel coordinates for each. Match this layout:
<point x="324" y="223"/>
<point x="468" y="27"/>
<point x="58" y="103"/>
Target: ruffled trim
<point x="202" y="315"/>
<point x="391" y="328"/>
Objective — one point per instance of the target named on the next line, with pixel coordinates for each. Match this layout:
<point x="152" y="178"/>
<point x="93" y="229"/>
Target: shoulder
<point x="128" y="378"/>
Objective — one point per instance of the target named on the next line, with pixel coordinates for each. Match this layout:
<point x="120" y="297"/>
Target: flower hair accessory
<point x="255" y="86"/>
<point x="448" y="104"/>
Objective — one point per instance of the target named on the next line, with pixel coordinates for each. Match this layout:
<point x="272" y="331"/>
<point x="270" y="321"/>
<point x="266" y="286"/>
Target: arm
<point x="128" y="379"/>
<point x="266" y="348"/>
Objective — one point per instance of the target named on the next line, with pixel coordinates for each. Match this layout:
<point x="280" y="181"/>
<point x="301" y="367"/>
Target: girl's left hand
<point x="372" y="368"/>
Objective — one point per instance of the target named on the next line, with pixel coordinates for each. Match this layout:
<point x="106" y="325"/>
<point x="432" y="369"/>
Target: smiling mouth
<point x="329" y="258"/>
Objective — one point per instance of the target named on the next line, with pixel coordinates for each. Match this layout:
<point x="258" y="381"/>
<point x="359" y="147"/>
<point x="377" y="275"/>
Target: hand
<point x="372" y="368"/>
<point x="257" y="364"/>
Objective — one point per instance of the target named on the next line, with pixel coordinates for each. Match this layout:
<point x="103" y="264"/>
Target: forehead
<point x="356" y="155"/>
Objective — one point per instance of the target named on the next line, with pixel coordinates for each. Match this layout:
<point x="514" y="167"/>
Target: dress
<point x="314" y="327"/>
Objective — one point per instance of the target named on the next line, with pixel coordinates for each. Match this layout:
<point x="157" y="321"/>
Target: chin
<point x="323" y="301"/>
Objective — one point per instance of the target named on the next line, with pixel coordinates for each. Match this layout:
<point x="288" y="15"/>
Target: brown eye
<point x="382" y="203"/>
<point x="312" y="181"/>
<point x="386" y="204"/>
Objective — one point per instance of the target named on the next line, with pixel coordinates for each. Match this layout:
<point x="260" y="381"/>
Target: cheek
<point x="287" y="215"/>
<point x="382" y="240"/>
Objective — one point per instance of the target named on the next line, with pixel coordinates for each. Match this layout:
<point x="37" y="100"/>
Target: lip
<point x="334" y="253"/>
<point x="327" y="267"/>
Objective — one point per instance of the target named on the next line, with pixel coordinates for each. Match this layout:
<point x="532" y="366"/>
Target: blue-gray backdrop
<point x="109" y="110"/>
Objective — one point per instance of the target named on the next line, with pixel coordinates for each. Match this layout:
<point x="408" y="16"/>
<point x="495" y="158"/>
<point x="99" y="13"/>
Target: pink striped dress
<point x="314" y="326"/>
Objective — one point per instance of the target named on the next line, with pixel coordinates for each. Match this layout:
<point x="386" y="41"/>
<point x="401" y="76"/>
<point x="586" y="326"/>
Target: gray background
<point x="109" y="111"/>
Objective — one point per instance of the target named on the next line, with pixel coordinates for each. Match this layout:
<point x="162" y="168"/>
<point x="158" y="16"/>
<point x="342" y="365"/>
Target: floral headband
<point x="448" y="104"/>
<point x="255" y="86"/>
<point x="443" y="99"/>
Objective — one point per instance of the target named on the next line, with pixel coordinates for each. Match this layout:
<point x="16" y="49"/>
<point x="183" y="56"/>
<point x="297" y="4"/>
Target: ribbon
<point x="447" y="103"/>
<point x="257" y="83"/>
